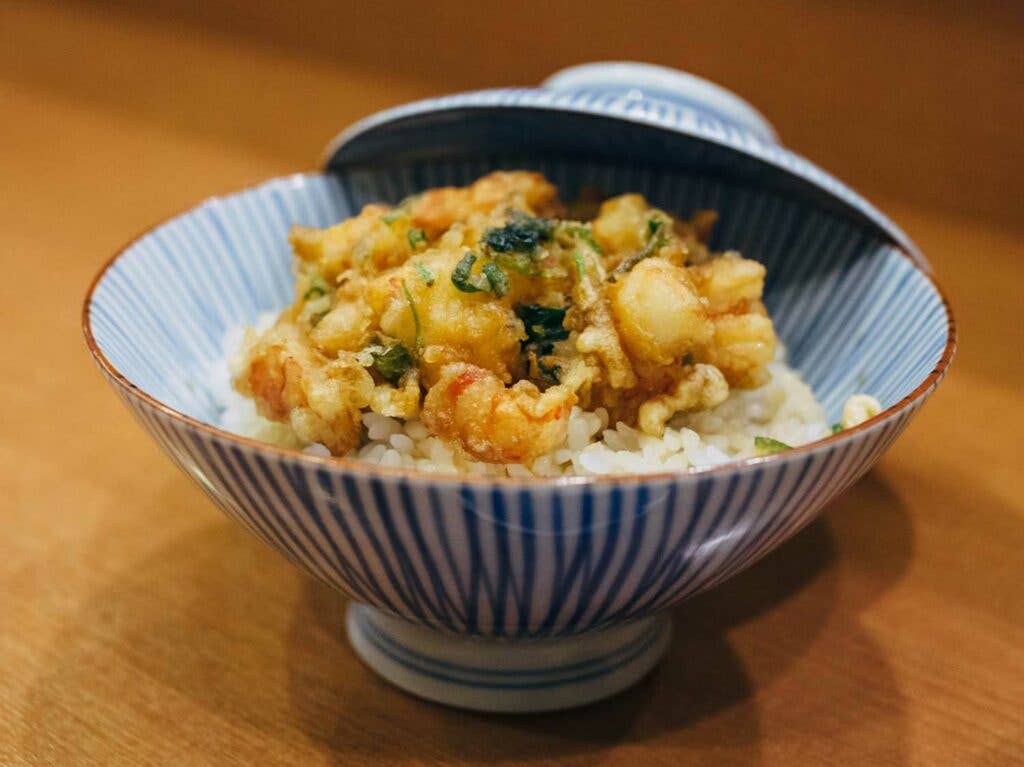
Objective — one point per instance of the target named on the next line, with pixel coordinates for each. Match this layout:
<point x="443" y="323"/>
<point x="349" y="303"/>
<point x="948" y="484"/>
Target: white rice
<point x="784" y="409"/>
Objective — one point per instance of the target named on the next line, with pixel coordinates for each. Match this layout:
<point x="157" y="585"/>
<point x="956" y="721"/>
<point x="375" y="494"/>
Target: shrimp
<point x="402" y="401"/>
<point x="658" y="312"/>
<point x="436" y="210"/>
<point x="364" y="242"/>
<point x="743" y="346"/>
<point x="601" y="339"/>
<point x="346" y="327"/>
<point x="625" y="224"/>
<point x="292" y="383"/>
<point x="701" y="388"/>
<point x="728" y="282"/>
<point x="489" y="314"/>
<point x="446" y="324"/>
<point x="744" y="338"/>
<point x="495" y="423"/>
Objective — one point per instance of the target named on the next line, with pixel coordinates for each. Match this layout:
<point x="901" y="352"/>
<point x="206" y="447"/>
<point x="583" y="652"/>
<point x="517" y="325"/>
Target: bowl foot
<point x="500" y="675"/>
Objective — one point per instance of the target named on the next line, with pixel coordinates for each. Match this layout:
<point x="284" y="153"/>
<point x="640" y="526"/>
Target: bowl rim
<point x="922" y="390"/>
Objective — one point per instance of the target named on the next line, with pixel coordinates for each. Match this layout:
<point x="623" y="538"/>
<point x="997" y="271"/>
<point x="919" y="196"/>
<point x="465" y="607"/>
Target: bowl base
<point x="506" y="675"/>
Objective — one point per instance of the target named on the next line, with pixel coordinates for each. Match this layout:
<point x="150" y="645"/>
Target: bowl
<point x="505" y="594"/>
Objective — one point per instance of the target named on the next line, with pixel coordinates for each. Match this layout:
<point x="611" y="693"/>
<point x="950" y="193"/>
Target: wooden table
<point x="138" y="626"/>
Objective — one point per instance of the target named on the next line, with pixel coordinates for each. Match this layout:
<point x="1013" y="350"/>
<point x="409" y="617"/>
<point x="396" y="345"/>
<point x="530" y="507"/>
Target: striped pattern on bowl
<point x="503" y="558"/>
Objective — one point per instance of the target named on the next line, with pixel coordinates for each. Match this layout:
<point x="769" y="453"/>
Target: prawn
<point x="495" y="423"/>
<point x="292" y="383"/>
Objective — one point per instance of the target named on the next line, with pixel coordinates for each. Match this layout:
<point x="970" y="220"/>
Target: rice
<point x="784" y="409"/>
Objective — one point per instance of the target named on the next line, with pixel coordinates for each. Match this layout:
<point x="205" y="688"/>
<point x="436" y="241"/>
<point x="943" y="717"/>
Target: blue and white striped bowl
<point x="576" y="572"/>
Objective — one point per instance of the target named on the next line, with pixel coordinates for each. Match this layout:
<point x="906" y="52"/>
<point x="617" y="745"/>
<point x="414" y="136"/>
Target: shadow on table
<point x="261" y="648"/>
<point x="703" y="678"/>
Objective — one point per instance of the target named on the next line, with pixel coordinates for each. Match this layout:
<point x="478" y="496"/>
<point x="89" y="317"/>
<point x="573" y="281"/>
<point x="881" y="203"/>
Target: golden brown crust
<point x="477" y="309"/>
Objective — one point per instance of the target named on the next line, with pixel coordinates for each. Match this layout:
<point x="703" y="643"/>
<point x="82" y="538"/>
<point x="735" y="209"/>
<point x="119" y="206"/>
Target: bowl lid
<point x="618" y="110"/>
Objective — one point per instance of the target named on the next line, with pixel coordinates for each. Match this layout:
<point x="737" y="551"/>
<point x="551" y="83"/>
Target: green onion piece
<point x="496" y="278"/>
<point x="577" y="256"/>
<point x="586" y="234"/>
<point x="769" y="446"/>
<point x="416" y="237"/>
<point x="425" y="273"/>
<point x="656" y="240"/>
<point x="415" y="317"/>
<point x="392" y="363"/>
<point x="464" y="279"/>
<point x="393" y="216"/>
<point x="462" y="274"/>
<point x="317" y="287"/>
<point x="836" y="428"/>
<point x="543" y="323"/>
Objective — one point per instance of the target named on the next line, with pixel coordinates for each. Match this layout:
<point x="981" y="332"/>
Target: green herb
<point x="496" y="278"/>
<point x="656" y="240"/>
<point x="577" y="256"/>
<point x="520" y="235"/>
<point x="393" y="362"/>
<point x="401" y="210"/>
<point x="425" y="273"/>
<point x="687" y="359"/>
<point x="416" y="237"/>
<point x="492" y="278"/>
<point x="769" y="446"/>
<point x="415" y="317"/>
<point x="543" y="323"/>
<point x="462" y="274"/>
<point x="585" y="233"/>
<point x="317" y="287"/>
<point x="836" y="428"/>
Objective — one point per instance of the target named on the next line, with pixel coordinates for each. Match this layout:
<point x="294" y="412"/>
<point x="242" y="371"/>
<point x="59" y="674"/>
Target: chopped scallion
<point x="656" y="240"/>
<point x="425" y="273"/>
<point x="769" y="446"/>
<point x="577" y="256"/>
<point x="496" y="278"/>
<point x="392" y="363"/>
<point x="416" y="238"/>
<point x="462" y="274"/>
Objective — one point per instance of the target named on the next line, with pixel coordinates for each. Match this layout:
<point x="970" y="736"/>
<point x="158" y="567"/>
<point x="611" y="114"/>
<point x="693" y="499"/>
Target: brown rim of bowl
<point x="920" y="391"/>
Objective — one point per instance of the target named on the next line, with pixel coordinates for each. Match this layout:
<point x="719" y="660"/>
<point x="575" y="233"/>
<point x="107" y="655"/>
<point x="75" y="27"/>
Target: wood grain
<point x="138" y="626"/>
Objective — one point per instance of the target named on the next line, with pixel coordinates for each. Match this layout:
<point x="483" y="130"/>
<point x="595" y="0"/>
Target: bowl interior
<point x="855" y="314"/>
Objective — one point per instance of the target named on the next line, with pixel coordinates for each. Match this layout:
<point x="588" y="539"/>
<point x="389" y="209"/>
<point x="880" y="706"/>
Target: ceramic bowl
<point x="502" y="594"/>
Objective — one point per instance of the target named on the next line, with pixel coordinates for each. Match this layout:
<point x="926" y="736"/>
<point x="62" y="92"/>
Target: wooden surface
<point x="138" y="626"/>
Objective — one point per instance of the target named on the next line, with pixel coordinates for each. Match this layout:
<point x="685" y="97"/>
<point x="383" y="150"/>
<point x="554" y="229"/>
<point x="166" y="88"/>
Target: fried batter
<point x="483" y="313"/>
